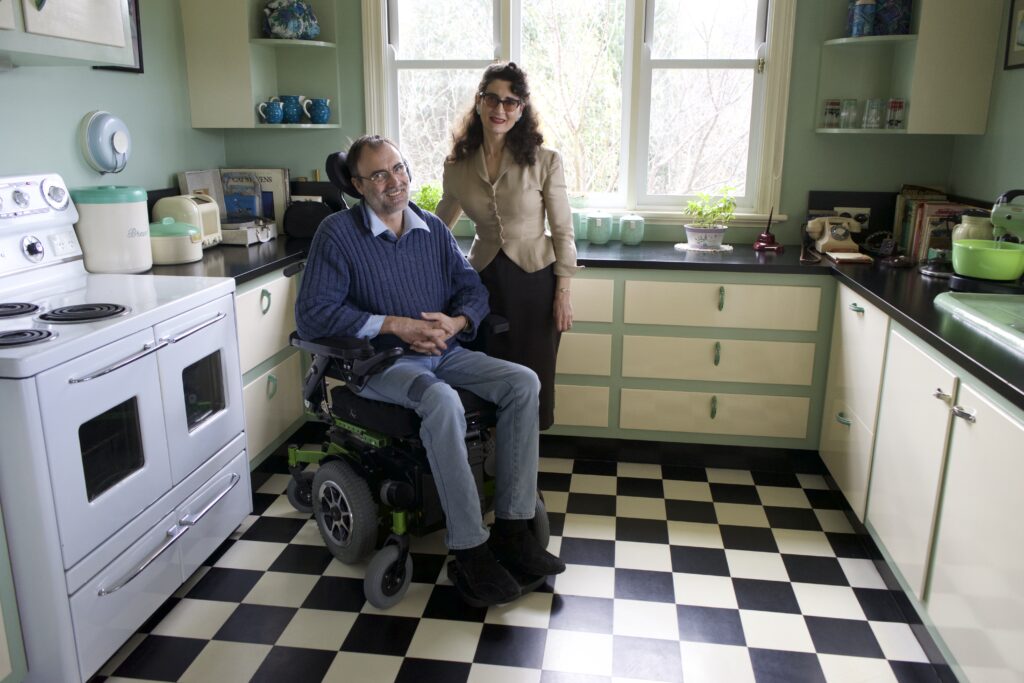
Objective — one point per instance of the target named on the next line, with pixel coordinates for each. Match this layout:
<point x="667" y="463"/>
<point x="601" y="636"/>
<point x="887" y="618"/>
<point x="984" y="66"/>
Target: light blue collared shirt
<point x="411" y="222"/>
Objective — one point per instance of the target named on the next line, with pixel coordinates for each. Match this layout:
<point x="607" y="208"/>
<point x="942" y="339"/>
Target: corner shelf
<point x="871" y="40"/>
<point x="862" y="131"/>
<point x="289" y="42"/>
<point x="274" y="126"/>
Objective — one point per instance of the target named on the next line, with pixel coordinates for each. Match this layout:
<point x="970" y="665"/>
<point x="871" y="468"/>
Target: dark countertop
<point x="903" y="294"/>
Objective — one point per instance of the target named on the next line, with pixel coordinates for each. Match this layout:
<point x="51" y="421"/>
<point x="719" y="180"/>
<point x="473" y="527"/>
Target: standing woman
<point x="507" y="184"/>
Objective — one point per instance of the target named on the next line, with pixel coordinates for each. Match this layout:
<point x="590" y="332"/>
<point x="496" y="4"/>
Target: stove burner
<point x="83" y="313"/>
<point x="14" y="310"/>
<point x="22" y="337"/>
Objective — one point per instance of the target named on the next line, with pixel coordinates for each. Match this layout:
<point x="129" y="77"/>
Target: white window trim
<point x="382" y="114"/>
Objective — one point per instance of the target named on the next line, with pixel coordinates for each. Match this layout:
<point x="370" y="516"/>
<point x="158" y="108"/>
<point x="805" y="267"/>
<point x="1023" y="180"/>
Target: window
<point x="649" y="101"/>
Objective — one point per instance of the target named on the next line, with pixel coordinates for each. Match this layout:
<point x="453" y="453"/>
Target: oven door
<point x="103" y="423"/>
<point x="201" y="384"/>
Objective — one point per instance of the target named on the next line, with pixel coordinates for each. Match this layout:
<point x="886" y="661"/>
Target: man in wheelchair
<point x="387" y="271"/>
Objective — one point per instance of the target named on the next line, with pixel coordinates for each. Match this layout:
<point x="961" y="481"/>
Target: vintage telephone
<point x="833" y="233"/>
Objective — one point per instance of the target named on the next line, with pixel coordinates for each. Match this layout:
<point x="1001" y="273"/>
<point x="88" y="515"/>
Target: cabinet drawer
<point x="706" y="413"/>
<point x="717" y="360"/>
<point x="858" y="348"/>
<point x="579" y="406"/>
<point x="273" y="402"/>
<point x="846" y="451"/>
<point x="213" y="512"/>
<point x="266" y="317"/>
<point x="592" y="300"/>
<point x="585" y="354"/>
<point x="765" y="307"/>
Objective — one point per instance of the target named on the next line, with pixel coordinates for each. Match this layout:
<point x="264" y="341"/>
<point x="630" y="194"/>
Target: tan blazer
<point x="509" y="214"/>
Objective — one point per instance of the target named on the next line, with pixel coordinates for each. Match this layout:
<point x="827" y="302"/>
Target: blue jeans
<point x="425" y="384"/>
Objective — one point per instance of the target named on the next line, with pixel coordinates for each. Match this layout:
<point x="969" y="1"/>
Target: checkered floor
<point x="675" y="574"/>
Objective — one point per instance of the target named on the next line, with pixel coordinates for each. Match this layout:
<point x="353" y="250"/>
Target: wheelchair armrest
<point x="356" y="358"/>
<point x="493" y="324"/>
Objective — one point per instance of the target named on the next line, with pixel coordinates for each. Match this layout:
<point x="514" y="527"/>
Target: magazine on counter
<point x="242" y="196"/>
<point x="275" y="190"/>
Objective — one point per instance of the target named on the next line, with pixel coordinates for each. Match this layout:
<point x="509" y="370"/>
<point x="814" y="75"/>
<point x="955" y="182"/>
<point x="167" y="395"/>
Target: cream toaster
<point x="195" y="209"/>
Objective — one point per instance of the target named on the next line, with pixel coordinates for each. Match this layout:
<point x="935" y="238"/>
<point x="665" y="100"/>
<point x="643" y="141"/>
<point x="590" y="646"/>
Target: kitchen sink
<point x="1000" y="316"/>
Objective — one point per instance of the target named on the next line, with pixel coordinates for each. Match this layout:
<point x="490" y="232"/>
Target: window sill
<point x="662" y="217"/>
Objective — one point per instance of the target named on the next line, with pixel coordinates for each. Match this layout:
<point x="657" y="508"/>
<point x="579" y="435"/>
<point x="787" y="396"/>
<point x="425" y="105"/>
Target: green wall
<point x="985" y="166"/>
<point x="42" y="107"/>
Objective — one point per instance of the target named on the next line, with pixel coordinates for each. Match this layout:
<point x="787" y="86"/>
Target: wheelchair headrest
<point x="339" y="175"/>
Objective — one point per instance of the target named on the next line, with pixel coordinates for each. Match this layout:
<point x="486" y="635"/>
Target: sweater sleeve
<point x="559" y="215"/>
<point x="468" y="294"/>
<point x="322" y="308"/>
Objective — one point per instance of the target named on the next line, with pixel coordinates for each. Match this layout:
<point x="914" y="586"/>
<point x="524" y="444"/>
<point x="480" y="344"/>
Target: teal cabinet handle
<point x="718" y="352"/>
<point x="721" y="298"/>
<point x="856" y="309"/>
<point x="843" y="420"/>
<point x="714" y="407"/>
<point x="264" y="301"/>
<point x="271" y="386"/>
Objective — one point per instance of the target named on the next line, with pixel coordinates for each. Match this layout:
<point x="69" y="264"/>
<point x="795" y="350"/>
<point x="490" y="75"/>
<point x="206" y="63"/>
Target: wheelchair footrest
<point x="527" y="584"/>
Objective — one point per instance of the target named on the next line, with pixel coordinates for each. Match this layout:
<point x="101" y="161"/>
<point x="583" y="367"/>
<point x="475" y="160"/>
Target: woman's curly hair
<point x="524" y="138"/>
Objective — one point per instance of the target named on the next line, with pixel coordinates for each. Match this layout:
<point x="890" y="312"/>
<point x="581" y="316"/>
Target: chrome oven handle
<point x="189" y="332"/>
<point x="173" y="534"/>
<point x="192" y="520"/>
<point x="146" y="350"/>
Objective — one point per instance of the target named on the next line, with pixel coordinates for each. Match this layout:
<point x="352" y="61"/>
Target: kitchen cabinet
<point x="271" y="368"/>
<point x="851" y="395"/>
<point x="943" y="69"/>
<point x="12" y="653"/>
<point x="693" y="356"/>
<point x="232" y="67"/>
<point x="67" y="33"/>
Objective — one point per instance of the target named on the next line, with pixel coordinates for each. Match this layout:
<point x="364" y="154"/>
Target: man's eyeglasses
<point x="509" y="104"/>
<point x="380" y="177"/>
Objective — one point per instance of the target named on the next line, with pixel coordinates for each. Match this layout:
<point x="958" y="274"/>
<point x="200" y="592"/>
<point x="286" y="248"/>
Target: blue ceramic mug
<point x="271" y="111"/>
<point x="317" y="109"/>
<point x="292" y="108"/>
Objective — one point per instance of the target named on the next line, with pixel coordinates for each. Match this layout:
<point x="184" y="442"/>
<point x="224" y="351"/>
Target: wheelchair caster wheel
<point x="300" y="493"/>
<point x="387" y="580"/>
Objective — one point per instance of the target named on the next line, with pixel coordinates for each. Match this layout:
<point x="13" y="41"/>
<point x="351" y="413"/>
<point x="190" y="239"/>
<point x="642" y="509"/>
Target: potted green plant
<point x="711" y="215"/>
<point x="427" y="197"/>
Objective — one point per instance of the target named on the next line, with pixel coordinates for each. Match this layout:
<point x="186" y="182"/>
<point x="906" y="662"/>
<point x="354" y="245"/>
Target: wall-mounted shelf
<point x="862" y="131"/>
<point x="315" y="126"/>
<point x="286" y="42"/>
<point x="868" y="41"/>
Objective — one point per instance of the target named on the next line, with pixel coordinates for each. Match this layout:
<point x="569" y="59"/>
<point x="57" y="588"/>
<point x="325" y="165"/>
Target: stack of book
<point x="924" y="220"/>
<point x="242" y="194"/>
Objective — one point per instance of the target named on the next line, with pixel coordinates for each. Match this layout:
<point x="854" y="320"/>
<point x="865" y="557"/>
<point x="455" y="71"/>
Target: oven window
<point x="111" y="447"/>
<point x="203" y="384"/>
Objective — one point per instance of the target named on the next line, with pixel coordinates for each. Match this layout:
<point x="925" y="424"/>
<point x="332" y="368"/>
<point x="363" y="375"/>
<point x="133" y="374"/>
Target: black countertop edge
<point x="903" y="294"/>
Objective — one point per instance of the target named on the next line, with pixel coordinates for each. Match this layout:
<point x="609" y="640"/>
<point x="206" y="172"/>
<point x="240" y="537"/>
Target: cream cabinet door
<point x="910" y="447"/>
<point x="718" y="360"/>
<point x="762" y="307"/>
<point x="592" y="300"/>
<point x="266" y="318"/>
<point x="976" y="593"/>
<point x="580" y="406"/>
<point x="87" y="21"/>
<point x="584" y="354"/>
<point x="858" y="349"/>
<point x="706" y="413"/>
<point x="846" y="451"/>
<point x="273" y="402"/>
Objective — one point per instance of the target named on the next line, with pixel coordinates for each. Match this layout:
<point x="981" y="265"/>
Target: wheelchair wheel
<point x="540" y="525"/>
<point x="386" y="581"/>
<point x="300" y="493"/>
<point x="345" y="511"/>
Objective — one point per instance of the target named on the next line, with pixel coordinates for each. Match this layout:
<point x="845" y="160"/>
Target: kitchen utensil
<point x="317" y="109"/>
<point x="863" y="18"/>
<point x="938" y="265"/>
<point x="113" y="228"/>
<point x="194" y="209"/>
<point x="292" y="105"/>
<point x="173" y="243"/>
<point x="988" y="259"/>
<point x="766" y="240"/>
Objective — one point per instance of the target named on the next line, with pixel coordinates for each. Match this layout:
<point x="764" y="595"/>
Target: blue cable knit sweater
<point x="350" y="274"/>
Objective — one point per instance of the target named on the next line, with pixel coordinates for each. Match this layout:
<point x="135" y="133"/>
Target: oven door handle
<point x="193" y="519"/>
<point x="146" y="350"/>
<point x="187" y="333"/>
<point x="173" y="534"/>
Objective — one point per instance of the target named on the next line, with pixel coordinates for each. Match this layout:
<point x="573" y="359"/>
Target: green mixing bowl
<point x="988" y="259"/>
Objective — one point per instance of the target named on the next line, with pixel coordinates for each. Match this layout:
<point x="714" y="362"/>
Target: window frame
<point x="770" y="99"/>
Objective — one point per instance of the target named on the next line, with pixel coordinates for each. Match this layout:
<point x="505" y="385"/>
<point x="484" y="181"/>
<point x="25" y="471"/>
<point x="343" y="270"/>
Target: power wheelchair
<point x="374" y="487"/>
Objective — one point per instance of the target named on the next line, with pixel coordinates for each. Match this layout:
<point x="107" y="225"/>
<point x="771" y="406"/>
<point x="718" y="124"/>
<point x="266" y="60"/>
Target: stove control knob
<point x="20" y="198"/>
<point x="57" y="194"/>
<point x="32" y="248"/>
<point x="54" y="193"/>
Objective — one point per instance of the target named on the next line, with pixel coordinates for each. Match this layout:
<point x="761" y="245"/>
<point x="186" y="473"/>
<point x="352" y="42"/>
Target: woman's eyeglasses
<point x="509" y="104"/>
<point x="381" y="177"/>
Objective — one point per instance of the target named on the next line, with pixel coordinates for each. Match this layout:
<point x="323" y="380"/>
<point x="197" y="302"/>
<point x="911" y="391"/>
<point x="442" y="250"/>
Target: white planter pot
<point x="705" y="238"/>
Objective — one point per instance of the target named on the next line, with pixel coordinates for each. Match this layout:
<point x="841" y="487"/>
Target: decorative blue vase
<point x="292" y="107"/>
<point x="892" y="17"/>
<point x="317" y="109"/>
<point x="292" y="19"/>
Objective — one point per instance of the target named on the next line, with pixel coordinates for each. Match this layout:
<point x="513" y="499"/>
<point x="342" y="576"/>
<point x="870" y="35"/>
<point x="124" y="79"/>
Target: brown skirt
<point x="526" y="300"/>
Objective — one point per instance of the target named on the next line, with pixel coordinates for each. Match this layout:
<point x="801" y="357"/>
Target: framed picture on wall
<point x="1015" y="36"/>
<point x="136" y="24"/>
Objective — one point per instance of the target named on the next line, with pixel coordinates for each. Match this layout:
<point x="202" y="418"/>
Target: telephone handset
<point x="833" y="233"/>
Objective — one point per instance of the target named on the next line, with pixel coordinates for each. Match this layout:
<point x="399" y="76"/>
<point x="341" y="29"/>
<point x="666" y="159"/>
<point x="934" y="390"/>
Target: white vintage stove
<point x="122" y="461"/>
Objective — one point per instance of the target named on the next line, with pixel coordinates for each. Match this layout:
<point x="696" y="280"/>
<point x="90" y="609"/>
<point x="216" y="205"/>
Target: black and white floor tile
<point x="675" y="574"/>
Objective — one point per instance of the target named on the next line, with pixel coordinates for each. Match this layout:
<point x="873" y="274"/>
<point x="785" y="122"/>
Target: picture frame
<point x="135" y="21"/>
<point x="1015" y="36"/>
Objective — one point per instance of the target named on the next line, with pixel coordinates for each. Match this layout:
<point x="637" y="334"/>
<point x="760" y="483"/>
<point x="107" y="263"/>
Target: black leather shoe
<point x="482" y="579"/>
<point x="521" y="552"/>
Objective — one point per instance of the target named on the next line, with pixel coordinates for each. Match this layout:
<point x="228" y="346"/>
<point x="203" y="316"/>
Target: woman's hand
<point x="562" y="309"/>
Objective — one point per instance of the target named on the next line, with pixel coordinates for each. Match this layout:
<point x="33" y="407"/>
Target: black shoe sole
<point x="527" y="584"/>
